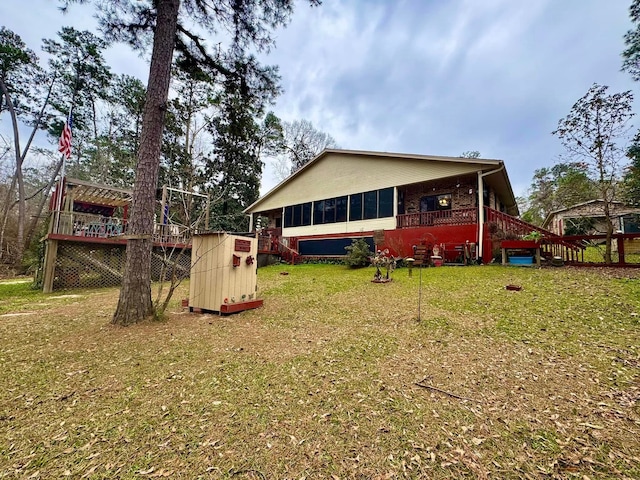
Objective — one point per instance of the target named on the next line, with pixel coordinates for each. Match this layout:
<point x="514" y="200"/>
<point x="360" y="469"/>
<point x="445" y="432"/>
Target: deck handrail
<point x="89" y="225"/>
<point x="457" y="216"/>
<point x="520" y="227"/>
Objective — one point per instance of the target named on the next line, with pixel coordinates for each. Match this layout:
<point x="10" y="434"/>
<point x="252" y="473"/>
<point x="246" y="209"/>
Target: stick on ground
<point x="431" y="387"/>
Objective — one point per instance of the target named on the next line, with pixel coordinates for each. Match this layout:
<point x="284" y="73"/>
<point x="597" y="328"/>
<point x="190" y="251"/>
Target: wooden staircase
<point x="552" y="244"/>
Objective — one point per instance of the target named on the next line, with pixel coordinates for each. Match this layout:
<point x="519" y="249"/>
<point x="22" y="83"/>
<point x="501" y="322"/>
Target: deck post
<point x="50" y="257"/>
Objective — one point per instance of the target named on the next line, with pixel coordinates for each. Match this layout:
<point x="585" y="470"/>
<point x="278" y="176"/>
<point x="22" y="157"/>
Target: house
<point x="392" y="200"/>
<point x="588" y="218"/>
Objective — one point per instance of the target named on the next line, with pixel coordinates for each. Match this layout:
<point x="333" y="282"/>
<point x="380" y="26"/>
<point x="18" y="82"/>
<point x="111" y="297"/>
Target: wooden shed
<point x="223" y="272"/>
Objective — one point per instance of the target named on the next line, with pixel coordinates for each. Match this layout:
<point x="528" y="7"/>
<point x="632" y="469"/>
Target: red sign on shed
<point x="242" y="245"/>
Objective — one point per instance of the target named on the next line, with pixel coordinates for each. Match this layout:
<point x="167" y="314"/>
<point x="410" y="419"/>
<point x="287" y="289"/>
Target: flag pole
<point x="62" y="170"/>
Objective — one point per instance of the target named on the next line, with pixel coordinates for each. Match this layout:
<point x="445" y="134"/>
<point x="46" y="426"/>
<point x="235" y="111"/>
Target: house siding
<point x="388" y="223"/>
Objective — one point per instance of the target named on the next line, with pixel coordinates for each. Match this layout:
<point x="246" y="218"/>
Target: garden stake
<point x="419" y="293"/>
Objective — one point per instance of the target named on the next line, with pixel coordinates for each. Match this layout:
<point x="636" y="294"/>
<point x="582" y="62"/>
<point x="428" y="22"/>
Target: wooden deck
<point x="84" y="227"/>
<point x="460" y="216"/>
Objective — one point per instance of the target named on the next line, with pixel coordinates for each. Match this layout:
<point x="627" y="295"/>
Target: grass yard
<point x="322" y="382"/>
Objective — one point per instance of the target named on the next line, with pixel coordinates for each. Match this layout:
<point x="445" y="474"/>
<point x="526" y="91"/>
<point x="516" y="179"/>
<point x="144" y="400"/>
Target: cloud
<point x="424" y="77"/>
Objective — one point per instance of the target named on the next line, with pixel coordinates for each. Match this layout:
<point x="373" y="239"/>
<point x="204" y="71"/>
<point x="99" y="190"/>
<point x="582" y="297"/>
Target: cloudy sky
<point x="422" y="76"/>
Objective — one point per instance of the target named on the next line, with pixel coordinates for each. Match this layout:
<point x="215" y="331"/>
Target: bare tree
<point x="592" y="133"/>
<point x="302" y="142"/>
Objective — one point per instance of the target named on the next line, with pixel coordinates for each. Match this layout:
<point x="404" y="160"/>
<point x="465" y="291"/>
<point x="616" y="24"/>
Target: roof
<point x="502" y="182"/>
<point x="621" y="209"/>
<point x="97" y="194"/>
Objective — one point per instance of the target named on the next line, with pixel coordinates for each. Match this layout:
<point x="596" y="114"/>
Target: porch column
<point x="251" y="222"/>
<point x="480" y="194"/>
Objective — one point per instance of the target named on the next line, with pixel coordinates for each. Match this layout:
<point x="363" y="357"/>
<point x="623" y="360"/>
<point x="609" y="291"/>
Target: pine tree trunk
<point x="135" y="302"/>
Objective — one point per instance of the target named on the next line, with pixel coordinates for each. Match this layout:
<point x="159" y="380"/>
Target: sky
<point x="430" y="77"/>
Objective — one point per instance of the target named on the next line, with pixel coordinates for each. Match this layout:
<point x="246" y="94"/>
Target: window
<point x="433" y="203"/>
<point x="318" y="212"/>
<point x="297" y="215"/>
<point x="355" y="207"/>
<point x="385" y="203"/>
<point x="444" y="202"/>
<point x="306" y="213"/>
<point x="329" y="210"/>
<point x="362" y="206"/>
<point x="371" y="205"/>
<point x="341" y="209"/>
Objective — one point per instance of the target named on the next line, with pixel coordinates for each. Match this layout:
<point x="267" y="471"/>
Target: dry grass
<point x="321" y="382"/>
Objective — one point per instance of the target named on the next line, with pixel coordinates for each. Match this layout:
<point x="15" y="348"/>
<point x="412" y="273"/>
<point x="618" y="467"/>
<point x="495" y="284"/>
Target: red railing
<point x="461" y="216"/>
<point x="270" y="241"/>
<point x="515" y="226"/>
<point x="625" y="249"/>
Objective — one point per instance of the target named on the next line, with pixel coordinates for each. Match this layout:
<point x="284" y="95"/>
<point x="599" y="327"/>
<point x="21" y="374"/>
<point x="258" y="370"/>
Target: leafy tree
<point x="358" y="253"/>
<point x="591" y="133"/>
<point x="168" y="23"/>
<point x="631" y="54"/>
<point x="470" y="154"/>
<point x="563" y="185"/>
<point x="238" y="141"/>
<point x="111" y="157"/>
<point x="83" y="82"/>
<point x="17" y="65"/>
<point x="631" y="179"/>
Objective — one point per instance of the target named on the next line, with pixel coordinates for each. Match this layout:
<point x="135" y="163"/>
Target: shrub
<point x="358" y="253"/>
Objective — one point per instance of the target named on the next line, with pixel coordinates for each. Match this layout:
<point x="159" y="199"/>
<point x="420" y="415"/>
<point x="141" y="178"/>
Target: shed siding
<point x="213" y="276"/>
<point x="334" y="176"/>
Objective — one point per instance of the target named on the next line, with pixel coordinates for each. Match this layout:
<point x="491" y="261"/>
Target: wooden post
<point x="620" y="241"/>
<point x="50" y="257"/>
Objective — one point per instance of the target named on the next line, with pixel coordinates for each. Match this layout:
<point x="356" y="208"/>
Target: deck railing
<point x="89" y="225"/>
<point x="460" y="216"/>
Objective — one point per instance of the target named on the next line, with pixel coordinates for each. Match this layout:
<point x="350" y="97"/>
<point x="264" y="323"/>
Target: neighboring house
<point x="396" y="201"/>
<point x="588" y="218"/>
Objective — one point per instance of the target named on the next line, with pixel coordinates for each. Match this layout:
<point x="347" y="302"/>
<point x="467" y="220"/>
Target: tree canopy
<point x="173" y="29"/>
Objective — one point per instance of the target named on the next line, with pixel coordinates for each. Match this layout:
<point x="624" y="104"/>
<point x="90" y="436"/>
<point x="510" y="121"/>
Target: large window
<point x="361" y="206"/>
<point x="373" y="204"/>
<point x="330" y="210"/>
<point x="297" y="215"/>
<point x="355" y="207"/>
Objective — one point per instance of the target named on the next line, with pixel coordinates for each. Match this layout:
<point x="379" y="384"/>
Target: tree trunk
<point x="28" y="237"/>
<point x="18" y="176"/>
<point x="135" y="302"/>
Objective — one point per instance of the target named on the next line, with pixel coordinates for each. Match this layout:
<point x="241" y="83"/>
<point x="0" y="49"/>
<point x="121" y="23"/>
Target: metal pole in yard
<point x="420" y="293"/>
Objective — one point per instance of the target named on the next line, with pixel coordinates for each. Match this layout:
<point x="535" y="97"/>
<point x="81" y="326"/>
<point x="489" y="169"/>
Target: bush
<point x="358" y="254"/>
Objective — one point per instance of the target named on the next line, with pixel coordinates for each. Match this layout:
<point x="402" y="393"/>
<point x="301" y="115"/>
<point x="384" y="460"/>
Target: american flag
<point x="64" y="145"/>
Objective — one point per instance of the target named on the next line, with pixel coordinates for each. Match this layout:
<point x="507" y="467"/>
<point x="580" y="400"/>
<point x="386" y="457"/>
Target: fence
<point x="81" y="265"/>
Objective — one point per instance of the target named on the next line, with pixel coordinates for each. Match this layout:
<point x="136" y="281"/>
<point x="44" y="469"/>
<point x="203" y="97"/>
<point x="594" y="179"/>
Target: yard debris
<point x="436" y="389"/>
